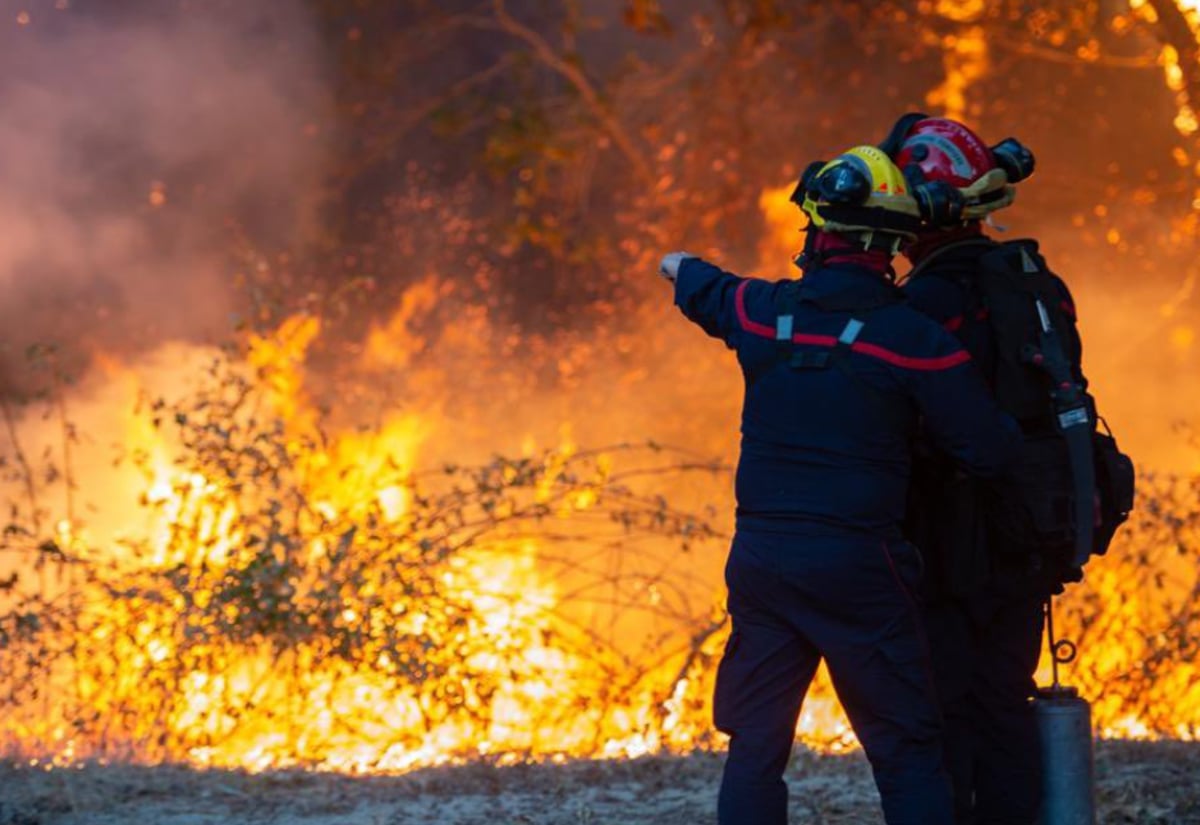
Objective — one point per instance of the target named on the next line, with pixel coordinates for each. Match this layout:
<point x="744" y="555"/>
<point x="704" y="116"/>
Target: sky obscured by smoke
<point x="137" y="140"/>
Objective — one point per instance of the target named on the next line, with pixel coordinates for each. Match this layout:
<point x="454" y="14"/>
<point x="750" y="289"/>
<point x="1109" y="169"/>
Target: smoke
<point x="138" y="140"/>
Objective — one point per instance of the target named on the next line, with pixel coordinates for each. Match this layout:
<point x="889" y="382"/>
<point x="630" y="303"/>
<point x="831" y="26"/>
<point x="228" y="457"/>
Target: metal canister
<point x="1068" y="784"/>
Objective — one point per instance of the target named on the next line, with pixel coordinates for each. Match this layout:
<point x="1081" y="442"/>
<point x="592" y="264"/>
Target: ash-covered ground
<point x="1139" y="783"/>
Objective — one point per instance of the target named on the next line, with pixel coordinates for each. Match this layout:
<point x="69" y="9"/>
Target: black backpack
<point x="1073" y="487"/>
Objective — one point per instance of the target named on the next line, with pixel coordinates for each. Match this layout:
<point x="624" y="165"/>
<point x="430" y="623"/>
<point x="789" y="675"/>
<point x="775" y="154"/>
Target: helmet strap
<point x="810" y="257"/>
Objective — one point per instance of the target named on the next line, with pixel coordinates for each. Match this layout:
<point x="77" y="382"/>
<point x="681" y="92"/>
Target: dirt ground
<point x="1138" y="783"/>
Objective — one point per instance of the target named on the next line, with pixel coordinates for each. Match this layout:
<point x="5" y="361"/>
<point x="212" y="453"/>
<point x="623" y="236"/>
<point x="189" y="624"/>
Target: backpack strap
<point x="1074" y="420"/>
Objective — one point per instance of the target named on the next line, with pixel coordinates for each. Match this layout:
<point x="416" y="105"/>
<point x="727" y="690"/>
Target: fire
<point x="1185" y="121"/>
<point x="310" y="597"/>
<point x="964" y="56"/>
<point x="306" y="596"/>
<point x="299" y="597"/>
<point x="290" y="568"/>
<point x="781" y="241"/>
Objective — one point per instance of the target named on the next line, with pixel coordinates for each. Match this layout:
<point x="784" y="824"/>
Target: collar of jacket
<point x="959" y="256"/>
<point x="841" y="278"/>
<point x="934" y="244"/>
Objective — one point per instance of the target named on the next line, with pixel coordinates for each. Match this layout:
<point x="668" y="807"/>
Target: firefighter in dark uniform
<point x="984" y="593"/>
<point x="838" y="373"/>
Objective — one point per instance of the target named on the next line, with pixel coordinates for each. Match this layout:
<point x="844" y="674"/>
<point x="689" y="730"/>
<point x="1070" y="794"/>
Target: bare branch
<point x="505" y="22"/>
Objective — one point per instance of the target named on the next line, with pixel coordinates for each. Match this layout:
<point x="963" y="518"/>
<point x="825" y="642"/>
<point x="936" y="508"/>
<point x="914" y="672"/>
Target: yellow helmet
<point x="861" y="192"/>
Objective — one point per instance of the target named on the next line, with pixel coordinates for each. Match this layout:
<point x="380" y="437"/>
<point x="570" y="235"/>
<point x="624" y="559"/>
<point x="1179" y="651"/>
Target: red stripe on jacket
<point x="863" y="348"/>
<point x="943" y="362"/>
<point x="744" y="318"/>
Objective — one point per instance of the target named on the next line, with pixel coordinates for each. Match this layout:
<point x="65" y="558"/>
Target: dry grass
<point x="1139" y="784"/>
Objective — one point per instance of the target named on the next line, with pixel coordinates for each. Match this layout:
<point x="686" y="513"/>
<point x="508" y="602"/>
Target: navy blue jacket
<point x="829" y="449"/>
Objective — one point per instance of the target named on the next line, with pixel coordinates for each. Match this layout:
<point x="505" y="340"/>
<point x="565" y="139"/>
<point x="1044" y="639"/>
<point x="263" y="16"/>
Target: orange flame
<point x="524" y="651"/>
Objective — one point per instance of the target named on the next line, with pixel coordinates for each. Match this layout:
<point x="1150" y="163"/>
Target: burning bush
<point x="305" y="597"/>
<point x="297" y="601"/>
<point x="1136" y="618"/>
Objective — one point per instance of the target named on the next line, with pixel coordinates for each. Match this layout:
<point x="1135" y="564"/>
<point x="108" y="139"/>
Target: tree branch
<point x="414" y="117"/>
<point x="505" y="22"/>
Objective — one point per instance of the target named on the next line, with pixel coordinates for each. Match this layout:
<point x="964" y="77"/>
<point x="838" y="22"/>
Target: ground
<point x="1138" y="784"/>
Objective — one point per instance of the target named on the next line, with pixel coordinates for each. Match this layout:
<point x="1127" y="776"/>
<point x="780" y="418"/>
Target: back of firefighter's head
<point x="954" y="175"/>
<point x="860" y="195"/>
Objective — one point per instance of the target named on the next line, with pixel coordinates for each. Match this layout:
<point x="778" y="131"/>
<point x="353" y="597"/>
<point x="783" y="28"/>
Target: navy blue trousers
<point x="793" y="600"/>
<point x="984" y="655"/>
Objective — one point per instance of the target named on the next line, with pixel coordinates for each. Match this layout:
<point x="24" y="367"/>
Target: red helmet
<point x="946" y="150"/>
<point x="943" y="151"/>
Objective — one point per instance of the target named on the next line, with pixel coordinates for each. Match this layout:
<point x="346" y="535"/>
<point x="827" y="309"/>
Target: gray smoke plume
<point x="138" y="140"/>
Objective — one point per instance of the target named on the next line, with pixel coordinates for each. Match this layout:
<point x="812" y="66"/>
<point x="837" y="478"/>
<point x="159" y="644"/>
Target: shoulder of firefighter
<point x="897" y="349"/>
<point x="945" y="290"/>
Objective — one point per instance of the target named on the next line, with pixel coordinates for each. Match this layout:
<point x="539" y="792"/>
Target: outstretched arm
<point x="707" y="296"/>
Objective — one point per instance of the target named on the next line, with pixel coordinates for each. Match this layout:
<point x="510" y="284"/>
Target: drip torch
<point x="1064" y="721"/>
